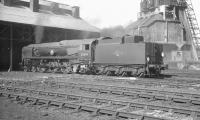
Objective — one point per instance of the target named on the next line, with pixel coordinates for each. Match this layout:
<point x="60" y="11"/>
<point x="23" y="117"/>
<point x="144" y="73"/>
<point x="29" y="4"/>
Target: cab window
<point x="87" y="46"/>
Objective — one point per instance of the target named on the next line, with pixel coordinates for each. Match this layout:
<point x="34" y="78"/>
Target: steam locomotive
<point x="127" y="56"/>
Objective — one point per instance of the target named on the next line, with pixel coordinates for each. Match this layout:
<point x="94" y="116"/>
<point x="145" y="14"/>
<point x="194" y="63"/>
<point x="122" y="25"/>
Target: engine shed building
<point x="24" y="22"/>
<point x="166" y="22"/>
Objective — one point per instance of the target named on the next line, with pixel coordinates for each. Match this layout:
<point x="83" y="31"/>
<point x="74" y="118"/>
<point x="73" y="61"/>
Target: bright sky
<point x="107" y="13"/>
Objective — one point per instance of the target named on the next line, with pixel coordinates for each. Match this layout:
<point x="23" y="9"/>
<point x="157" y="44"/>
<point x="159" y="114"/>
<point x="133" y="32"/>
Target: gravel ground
<point x="100" y="80"/>
<point x="11" y="110"/>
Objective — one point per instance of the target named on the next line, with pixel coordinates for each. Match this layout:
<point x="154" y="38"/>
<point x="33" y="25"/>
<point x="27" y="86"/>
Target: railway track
<point x="192" y="97"/>
<point x="170" y="82"/>
<point x="151" y="94"/>
<point x="98" y="105"/>
<point x="127" y="91"/>
<point x="183" y="73"/>
<point x="177" y="82"/>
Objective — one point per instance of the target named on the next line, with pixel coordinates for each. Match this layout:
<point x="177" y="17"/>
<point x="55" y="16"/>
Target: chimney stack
<point x="75" y="12"/>
<point x="6" y="2"/>
<point x="34" y="5"/>
<point x="156" y="2"/>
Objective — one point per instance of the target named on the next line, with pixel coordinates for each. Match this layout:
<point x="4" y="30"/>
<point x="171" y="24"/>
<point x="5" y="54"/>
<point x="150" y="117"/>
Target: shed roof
<point x="25" y="16"/>
<point x="144" y="22"/>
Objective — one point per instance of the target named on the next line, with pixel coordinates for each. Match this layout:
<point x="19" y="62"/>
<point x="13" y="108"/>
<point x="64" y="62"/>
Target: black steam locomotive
<point x="127" y="56"/>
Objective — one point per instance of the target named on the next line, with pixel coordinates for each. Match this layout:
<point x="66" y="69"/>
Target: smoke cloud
<point x="39" y="31"/>
<point x="117" y="31"/>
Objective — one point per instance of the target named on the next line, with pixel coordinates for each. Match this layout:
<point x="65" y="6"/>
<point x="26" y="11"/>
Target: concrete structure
<point x="23" y="22"/>
<point x="165" y="22"/>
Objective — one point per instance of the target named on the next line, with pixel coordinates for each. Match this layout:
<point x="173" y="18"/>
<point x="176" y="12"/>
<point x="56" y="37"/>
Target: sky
<point x="110" y="13"/>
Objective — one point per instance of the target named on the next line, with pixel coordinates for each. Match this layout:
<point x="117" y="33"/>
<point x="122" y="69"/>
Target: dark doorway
<point x="19" y="35"/>
<point x="4" y="52"/>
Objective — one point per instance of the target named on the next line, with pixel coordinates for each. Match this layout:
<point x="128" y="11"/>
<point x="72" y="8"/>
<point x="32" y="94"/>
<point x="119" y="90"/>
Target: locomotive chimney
<point x="34" y="5"/>
<point x="156" y="3"/>
<point x="75" y="12"/>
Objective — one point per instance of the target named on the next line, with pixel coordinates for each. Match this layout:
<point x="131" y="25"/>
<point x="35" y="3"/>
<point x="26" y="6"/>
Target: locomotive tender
<point x="120" y="56"/>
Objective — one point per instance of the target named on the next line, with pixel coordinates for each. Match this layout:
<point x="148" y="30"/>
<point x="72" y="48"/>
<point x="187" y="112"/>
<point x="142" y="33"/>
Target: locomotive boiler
<point x="64" y="56"/>
<point x="127" y="56"/>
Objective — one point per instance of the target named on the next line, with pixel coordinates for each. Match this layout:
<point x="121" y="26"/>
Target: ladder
<point x="193" y="23"/>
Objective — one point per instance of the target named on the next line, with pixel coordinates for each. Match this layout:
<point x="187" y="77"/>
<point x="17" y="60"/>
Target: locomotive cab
<point x="85" y="54"/>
